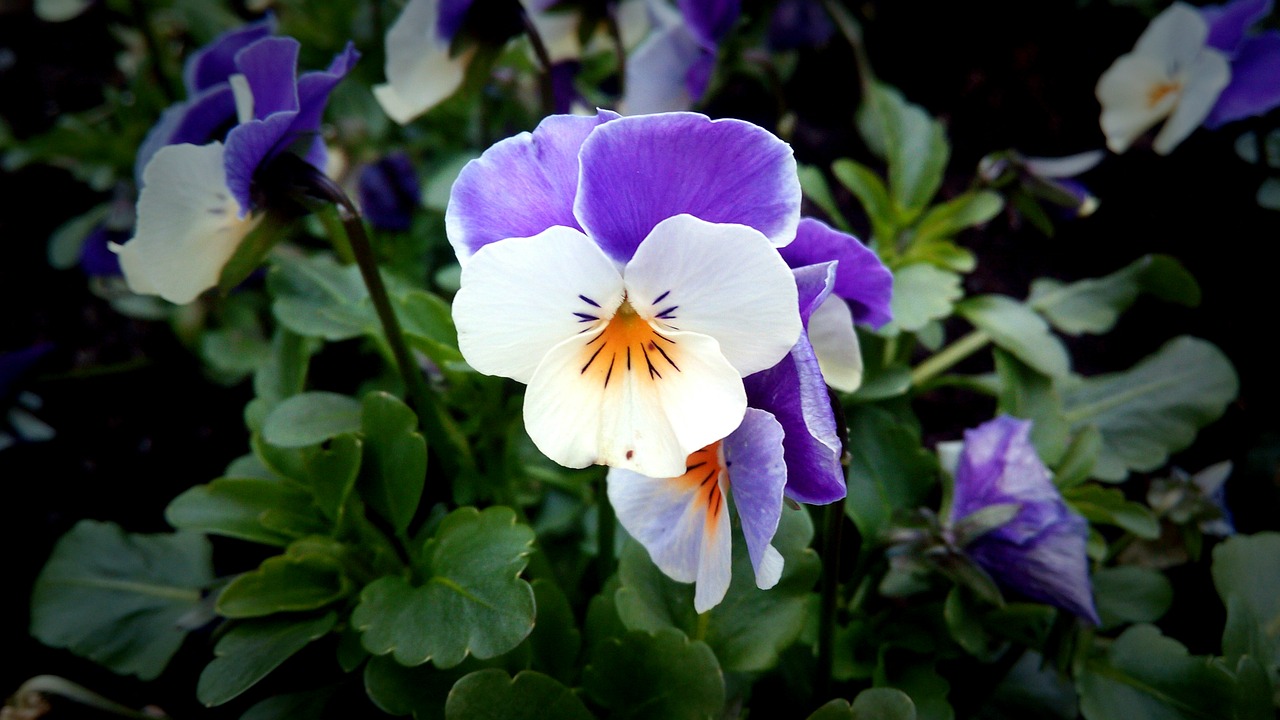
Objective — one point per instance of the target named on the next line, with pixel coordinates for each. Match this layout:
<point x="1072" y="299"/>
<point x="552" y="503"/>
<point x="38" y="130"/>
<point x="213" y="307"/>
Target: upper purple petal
<point x="698" y="76"/>
<point x="452" y="14"/>
<point x="271" y="66"/>
<point x="757" y="477"/>
<point x="388" y="191"/>
<point x="638" y="171"/>
<point x="1255" y="81"/>
<point x="710" y="20"/>
<point x="198" y="121"/>
<point x="795" y="393"/>
<point x="248" y="147"/>
<point x="1229" y="23"/>
<point x="861" y="278"/>
<point x="813" y="284"/>
<point x="313" y="94"/>
<point x="999" y="465"/>
<point x="214" y="63"/>
<point x="520" y="186"/>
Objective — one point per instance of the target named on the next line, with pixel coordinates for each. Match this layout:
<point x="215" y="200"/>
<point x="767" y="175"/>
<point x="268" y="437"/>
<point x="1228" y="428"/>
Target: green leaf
<point x="915" y="146"/>
<point x="311" y="418"/>
<point x="664" y="675"/>
<point x="870" y="704"/>
<point x="1131" y="594"/>
<point x="252" y="649"/>
<point x="1146" y="675"/>
<point x="318" y="297"/>
<point x="882" y="377"/>
<point x="394" y="469"/>
<point x="922" y="293"/>
<point x="1076" y="464"/>
<point x="1017" y="329"/>
<point x="333" y="470"/>
<point x="889" y="470"/>
<point x="1031" y="395"/>
<point x="750" y="627"/>
<point x="871" y="192"/>
<point x="815" y="187"/>
<point x="1094" y="305"/>
<point x="494" y="695"/>
<point x="67" y="242"/>
<point x="469" y="598"/>
<point x="1155" y="408"/>
<point x="306" y="704"/>
<point x="555" y="639"/>
<point x="252" y="251"/>
<point x="1108" y="506"/>
<point x="399" y="690"/>
<point x="974" y="207"/>
<point x="428" y="326"/>
<point x="301" y="579"/>
<point x="963" y="615"/>
<point x="927" y="689"/>
<point x="1246" y="571"/>
<point x="942" y="253"/>
<point x="119" y="598"/>
<point x="271" y="512"/>
<point x="282" y="375"/>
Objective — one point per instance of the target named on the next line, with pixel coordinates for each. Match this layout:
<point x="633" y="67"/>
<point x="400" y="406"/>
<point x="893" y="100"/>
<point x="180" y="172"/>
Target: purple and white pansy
<point x="1040" y="552"/>
<point x="199" y="195"/>
<point x="1254" y="88"/>
<point x="628" y="270"/>
<point x="671" y="69"/>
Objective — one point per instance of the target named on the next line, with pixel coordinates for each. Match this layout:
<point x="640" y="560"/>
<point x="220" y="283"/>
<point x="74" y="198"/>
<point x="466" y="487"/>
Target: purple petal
<point x="795" y="393"/>
<point x="16" y="363"/>
<point x="214" y="63"/>
<point x="520" y="186"/>
<point x="1255" y="81"/>
<point x="861" y="278"/>
<point x="757" y="477"/>
<point x="799" y="24"/>
<point x="698" y="76"/>
<point x="96" y="257"/>
<point x="1229" y="23"/>
<point x="710" y="20"/>
<point x="248" y="147"/>
<point x="813" y="284"/>
<point x="388" y="191"/>
<point x="564" y="92"/>
<point x="313" y="94"/>
<point x="270" y="66"/>
<point x="638" y="171"/>
<point x="1051" y="567"/>
<point x="452" y="13"/>
<point x="197" y="121"/>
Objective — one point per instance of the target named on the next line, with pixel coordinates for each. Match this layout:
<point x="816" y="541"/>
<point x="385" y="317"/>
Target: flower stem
<point x="619" y="49"/>
<point x="833" y="526"/>
<point x="606" y="524"/>
<point x="544" y="59"/>
<point x="948" y="357"/>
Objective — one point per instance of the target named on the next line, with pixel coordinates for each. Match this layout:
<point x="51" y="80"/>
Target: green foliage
<point x="912" y="143"/>
<point x="1131" y="594"/>
<point x="271" y="512"/>
<point x="663" y="675"/>
<point x="1014" y="328"/>
<point x="1093" y="306"/>
<point x="309" y="576"/>
<point x="251" y="649"/>
<point x="465" y="596"/>
<point x="119" y="598"/>
<point x="889" y="470"/>
<point x="395" y="459"/>
<point x="528" y="696"/>
<point x="922" y="293"/>
<point x="870" y="704"/>
<point x="311" y="418"/>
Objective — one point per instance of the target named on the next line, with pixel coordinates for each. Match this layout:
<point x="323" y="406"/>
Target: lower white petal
<point x="188" y="224"/>
<point x="1136" y="92"/>
<point x="721" y="280"/>
<point x="1203" y="82"/>
<point x="835" y="343"/>
<point x="632" y="396"/>
<point x="420" y="71"/>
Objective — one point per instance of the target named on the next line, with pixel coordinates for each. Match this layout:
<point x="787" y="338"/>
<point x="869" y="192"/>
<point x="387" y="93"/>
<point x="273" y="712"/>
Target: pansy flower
<point x="1172" y="75"/>
<point x="1255" y="60"/>
<point x="199" y="201"/>
<point x="388" y="190"/>
<point x="1040" y="551"/>
<point x="671" y="69"/>
<point x="626" y="270"/>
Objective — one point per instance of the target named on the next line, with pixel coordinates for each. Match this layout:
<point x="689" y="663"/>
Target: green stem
<point x="833" y="526"/>
<point x="606" y="523"/>
<point x="54" y="685"/>
<point x="948" y="357"/>
<point x="853" y="35"/>
<point x="544" y="59"/>
<point x="704" y="624"/>
<point x="619" y="50"/>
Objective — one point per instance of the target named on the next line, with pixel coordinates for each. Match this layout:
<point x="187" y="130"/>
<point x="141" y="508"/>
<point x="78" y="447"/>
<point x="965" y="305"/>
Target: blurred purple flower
<point x="1040" y="551"/>
<point x="1254" y="88"/>
<point x="96" y="256"/>
<point x="799" y="24"/>
<point x="388" y="192"/>
<point x="14" y="364"/>
<point x="671" y="69"/>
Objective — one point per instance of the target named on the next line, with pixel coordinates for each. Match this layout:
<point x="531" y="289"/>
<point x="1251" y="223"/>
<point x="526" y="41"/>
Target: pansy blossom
<point x="626" y="270"/>
<point x="672" y="68"/>
<point x="1171" y="75"/>
<point x="198" y="201"/>
<point x="1255" y="60"/>
<point x="1040" y="551"/>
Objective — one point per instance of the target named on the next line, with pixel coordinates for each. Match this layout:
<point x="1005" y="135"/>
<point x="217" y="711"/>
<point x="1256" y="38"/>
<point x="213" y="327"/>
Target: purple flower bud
<point x="388" y="191"/>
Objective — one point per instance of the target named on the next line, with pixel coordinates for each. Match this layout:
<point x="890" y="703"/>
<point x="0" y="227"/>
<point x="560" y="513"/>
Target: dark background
<point x="1009" y="74"/>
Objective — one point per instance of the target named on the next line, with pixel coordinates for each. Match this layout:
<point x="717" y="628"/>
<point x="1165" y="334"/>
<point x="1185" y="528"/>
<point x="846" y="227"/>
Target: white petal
<point x="682" y="521"/>
<point x="835" y="343"/>
<point x="1203" y="82"/>
<point x="770" y="570"/>
<point x="243" y="95"/>
<point x="1174" y="37"/>
<point x="188" y="224"/>
<point x="519" y="298"/>
<point x="420" y="72"/>
<point x="725" y="281"/>
<point x="1136" y="92"/>
<point x="631" y="397"/>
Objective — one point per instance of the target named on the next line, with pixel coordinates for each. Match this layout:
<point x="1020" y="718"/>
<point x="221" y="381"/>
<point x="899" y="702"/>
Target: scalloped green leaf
<point x="889" y="470"/>
<point x="334" y="469"/>
<point x="1155" y="408"/>
<point x="466" y="597"/>
<point x="237" y="507"/>
<point x="1017" y="329"/>
<point x="664" y="675"/>
<point x="398" y="690"/>
<point x="914" y="145"/>
<point x="1031" y="395"/>
<point x="118" y="598"/>
<point x="963" y="211"/>
<point x="394" y="469"/>
<point x="922" y="293"/>
<point x="494" y="695"/>
<point x="301" y="579"/>
<point x="1129" y="594"/>
<point x="871" y="192"/>
<point x="880" y="703"/>
<point x="251" y="649"/>
<point x="1094" y="305"/>
<point x="311" y="418"/>
<point x="1108" y="506"/>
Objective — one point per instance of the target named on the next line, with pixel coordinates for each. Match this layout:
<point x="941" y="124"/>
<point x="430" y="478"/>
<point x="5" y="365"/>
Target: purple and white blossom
<point x="388" y="191"/>
<point x="1040" y="551"/>
<point x="671" y="69"/>
<point x="626" y="270"/>
<point x="199" y="195"/>
<point x="1255" y="60"/>
<point x="1172" y="75"/>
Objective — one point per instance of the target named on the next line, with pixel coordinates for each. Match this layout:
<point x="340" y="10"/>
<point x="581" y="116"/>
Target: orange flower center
<point x="1158" y="93"/>
<point x="629" y="343"/>
<point x="704" y="472"/>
